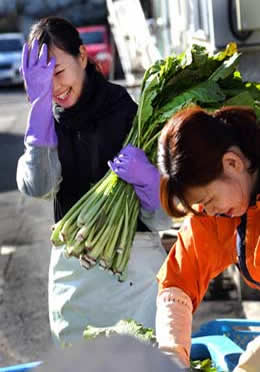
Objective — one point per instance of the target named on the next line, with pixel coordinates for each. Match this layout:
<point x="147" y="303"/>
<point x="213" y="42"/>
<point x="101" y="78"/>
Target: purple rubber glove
<point x="132" y="166"/>
<point x="37" y="73"/>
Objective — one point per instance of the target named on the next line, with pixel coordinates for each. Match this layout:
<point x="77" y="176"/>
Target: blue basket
<point x="21" y="367"/>
<point x="223" y="340"/>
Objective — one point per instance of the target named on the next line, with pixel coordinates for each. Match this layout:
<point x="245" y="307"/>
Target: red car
<point x="97" y="43"/>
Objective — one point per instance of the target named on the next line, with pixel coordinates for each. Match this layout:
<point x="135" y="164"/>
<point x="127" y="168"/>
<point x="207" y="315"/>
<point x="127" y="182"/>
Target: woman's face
<point x="69" y="76"/>
<point x="229" y="194"/>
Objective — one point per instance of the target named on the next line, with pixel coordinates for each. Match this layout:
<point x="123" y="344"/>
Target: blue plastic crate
<point x="223" y="340"/>
<point x="26" y="367"/>
<point x="223" y="352"/>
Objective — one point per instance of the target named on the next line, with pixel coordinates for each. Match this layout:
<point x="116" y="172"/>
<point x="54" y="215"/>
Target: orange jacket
<point x="205" y="247"/>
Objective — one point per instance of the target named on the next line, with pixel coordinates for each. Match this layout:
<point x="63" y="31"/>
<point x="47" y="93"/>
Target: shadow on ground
<point x="13" y="89"/>
<point x="11" y="148"/>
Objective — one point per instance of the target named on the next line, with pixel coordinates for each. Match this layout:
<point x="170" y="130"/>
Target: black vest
<point x="89" y="134"/>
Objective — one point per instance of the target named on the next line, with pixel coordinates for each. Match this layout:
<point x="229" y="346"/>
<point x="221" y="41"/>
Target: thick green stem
<point x="111" y="246"/>
<point x="55" y="235"/>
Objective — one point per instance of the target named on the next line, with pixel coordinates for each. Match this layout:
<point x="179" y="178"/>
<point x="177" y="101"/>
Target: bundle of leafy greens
<point x="132" y="328"/>
<point x="100" y="227"/>
<point x="123" y="327"/>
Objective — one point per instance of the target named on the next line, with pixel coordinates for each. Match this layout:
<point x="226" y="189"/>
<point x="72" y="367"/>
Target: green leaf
<point x="254" y="89"/>
<point x="145" y="108"/>
<point x="232" y="84"/>
<point x="226" y="68"/>
<point x="257" y="110"/>
<point x="205" y="92"/>
<point x="231" y="48"/>
<point x="242" y="99"/>
<point x="203" y="365"/>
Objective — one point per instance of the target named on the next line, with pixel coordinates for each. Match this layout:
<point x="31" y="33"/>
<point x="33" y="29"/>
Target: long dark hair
<point x="191" y="147"/>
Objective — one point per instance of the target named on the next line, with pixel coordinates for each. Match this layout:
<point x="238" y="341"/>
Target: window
<point x="200" y="17"/>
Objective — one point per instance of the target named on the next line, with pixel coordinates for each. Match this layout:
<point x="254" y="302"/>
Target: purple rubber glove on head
<point x="133" y="166"/>
<point x="37" y="73"/>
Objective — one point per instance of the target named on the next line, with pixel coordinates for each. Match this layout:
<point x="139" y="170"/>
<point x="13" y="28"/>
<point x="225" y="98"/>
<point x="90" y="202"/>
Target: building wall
<point x="249" y="65"/>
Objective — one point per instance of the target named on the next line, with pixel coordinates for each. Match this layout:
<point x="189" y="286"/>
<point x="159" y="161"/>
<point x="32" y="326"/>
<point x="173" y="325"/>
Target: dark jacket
<point x="89" y="134"/>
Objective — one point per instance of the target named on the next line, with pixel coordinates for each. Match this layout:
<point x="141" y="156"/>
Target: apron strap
<point x="241" y="250"/>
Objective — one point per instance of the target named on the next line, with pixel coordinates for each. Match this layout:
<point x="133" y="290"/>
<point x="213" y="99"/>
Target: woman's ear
<point x="233" y="163"/>
<point x="83" y="56"/>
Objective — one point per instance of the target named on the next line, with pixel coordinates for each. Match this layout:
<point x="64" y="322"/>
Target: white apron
<point x="80" y="297"/>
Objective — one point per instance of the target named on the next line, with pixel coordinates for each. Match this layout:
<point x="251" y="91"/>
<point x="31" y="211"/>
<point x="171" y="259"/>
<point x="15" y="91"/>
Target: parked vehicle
<point x="11" y="45"/>
<point x="97" y="43"/>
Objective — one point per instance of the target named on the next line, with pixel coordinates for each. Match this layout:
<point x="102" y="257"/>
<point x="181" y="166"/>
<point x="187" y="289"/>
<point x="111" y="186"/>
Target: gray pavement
<point x="24" y="246"/>
<point x="24" y="330"/>
<point x="25" y="251"/>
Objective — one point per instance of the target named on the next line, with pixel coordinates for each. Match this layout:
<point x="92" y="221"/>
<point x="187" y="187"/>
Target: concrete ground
<point x="24" y="246"/>
<point x="24" y="330"/>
